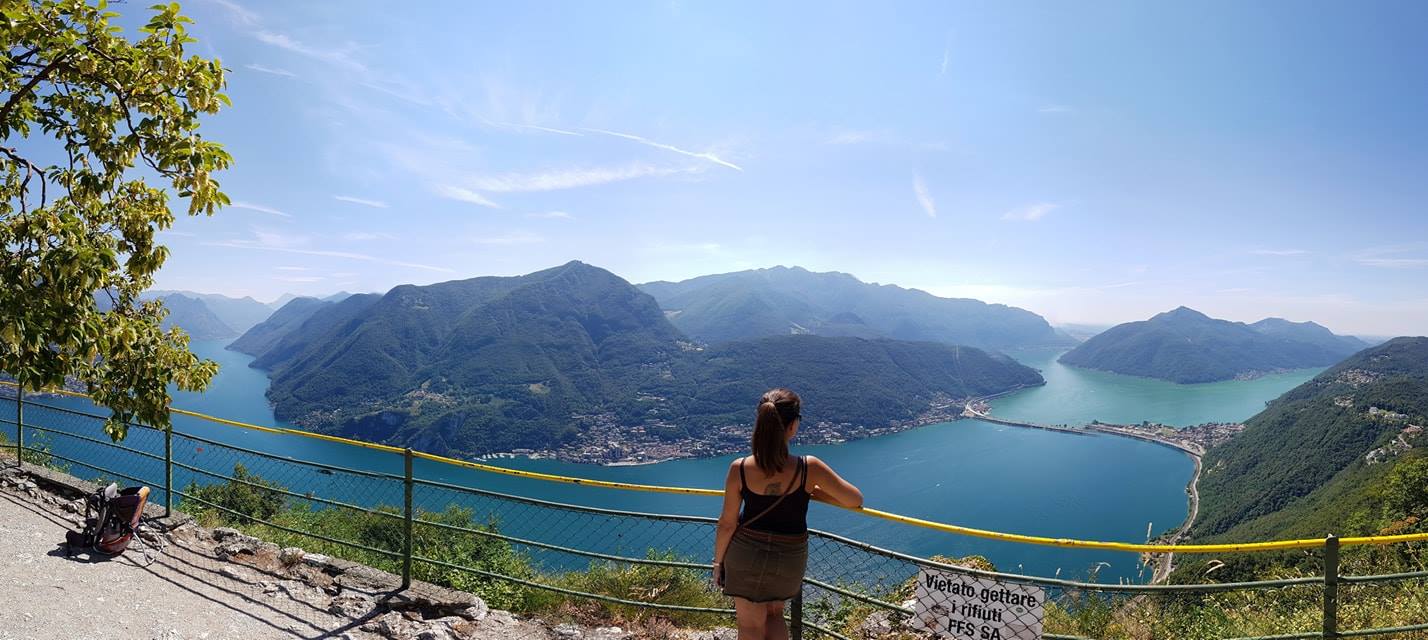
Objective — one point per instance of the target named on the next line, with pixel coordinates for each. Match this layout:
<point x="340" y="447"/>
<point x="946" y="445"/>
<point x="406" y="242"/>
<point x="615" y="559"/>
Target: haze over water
<point x="966" y="472"/>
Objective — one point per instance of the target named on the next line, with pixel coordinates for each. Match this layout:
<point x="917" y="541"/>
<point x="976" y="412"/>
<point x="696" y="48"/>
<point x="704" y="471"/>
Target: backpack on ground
<point x="110" y="517"/>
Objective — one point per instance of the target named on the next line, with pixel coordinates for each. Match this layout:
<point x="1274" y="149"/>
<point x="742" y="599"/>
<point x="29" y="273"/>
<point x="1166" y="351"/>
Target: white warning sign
<point x="964" y="607"/>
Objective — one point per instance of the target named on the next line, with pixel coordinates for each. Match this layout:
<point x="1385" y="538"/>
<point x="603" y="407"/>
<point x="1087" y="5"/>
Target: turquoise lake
<point x="966" y="472"/>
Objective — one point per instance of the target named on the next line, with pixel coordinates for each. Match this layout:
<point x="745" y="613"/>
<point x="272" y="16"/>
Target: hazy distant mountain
<point x="495" y="363"/>
<point x="195" y="318"/>
<point x="1187" y="346"/>
<point x="292" y="339"/>
<point x="1308" y="332"/>
<point x="1081" y="332"/>
<point x="267" y="333"/>
<point x="1314" y="461"/>
<point x="239" y="314"/>
<point x="784" y="301"/>
<point x="282" y="301"/>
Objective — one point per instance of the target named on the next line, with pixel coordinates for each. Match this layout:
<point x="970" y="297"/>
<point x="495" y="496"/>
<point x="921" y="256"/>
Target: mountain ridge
<point x="1186" y="346"/>
<point x="791" y="300"/>
<point x="552" y="359"/>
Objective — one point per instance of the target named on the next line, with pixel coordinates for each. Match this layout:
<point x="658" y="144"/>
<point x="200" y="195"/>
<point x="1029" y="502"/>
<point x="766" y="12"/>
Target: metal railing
<point x="534" y="555"/>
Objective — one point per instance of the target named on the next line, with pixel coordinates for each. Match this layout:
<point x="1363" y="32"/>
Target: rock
<point x="351" y="605"/>
<point x="229" y="550"/>
<point x="608" y="633"/>
<point x="435" y="632"/>
<point x="223" y="533"/>
<point x="501" y="617"/>
<point x="74" y="506"/>
<point x="364" y="578"/>
<point x="393" y="625"/>
<point x="477" y="612"/>
<point x="232" y="574"/>
<point x="290" y="556"/>
<point x="877" y="625"/>
<point x="322" y="563"/>
<point x="29" y="485"/>
<point x="567" y="631"/>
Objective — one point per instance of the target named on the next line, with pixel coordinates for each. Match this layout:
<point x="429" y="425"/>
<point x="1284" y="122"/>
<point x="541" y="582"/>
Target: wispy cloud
<point x="261" y="245"/>
<point x="1031" y="212"/>
<point x="669" y="147"/>
<point x="237" y="13"/>
<point x="859" y="136"/>
<point x="530" y="127"/>
<point x="290" y="268"/>
<point x="557" y="179"/>
<point x="299" y="278"/>
<point x="363" y="236"/>
<point x="946" y="57"/>
<point x="239" y="204"/>
<point x="464" y="195"/>
<point x="378" y="204"/>
<point x="338" y="56"/>
<point x="1278" y="252"/>
<point x="1394" y="263"/>
<point x="1391" y="257"/>
<point x="519" y="237"/>
<point x="560" y="215"/>
<point x="271" y="70"/>
<point x="1055" y="108"/>
<point x="924" y="198"/>
<point x="882" y="136"/>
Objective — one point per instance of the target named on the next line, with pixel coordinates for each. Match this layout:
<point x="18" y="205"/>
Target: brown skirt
<point x="765" y="567"/>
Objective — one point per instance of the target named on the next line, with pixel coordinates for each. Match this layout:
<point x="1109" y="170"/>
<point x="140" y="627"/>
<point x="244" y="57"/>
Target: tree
<point x="89" y="119"/>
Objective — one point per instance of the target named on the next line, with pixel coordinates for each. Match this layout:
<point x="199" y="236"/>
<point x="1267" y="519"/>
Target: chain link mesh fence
<point x="598" y="567"/>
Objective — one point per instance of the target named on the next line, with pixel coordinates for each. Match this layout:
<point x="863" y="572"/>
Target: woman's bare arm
<point x="728" y="517"/>
<point x="829" y="487"/>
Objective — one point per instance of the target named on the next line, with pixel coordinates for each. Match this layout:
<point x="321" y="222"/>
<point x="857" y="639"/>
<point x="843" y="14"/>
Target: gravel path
<point x="178" y="596"/>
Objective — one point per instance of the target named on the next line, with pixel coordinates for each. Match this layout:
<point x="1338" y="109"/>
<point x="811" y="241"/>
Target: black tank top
<point x="790" y="517"/>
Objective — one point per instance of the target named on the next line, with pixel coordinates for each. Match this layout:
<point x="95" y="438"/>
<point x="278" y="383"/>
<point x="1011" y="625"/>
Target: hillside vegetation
<point x="784" y="301"/>
<point x="1303" y="465"/>
<point x="1187" y="346"/>
<point x="498" y="363"/>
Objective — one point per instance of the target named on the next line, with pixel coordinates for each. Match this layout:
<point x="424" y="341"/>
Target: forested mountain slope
<point x="1187" y="346"/>
<point x="492" y="364"/>
<point x="784" y="301"/>
<point x="1313" y="462"/>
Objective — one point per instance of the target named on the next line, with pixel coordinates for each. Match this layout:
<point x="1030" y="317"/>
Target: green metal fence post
<point x="795" y="631"/>
<point x="1331" y="587"/>
<point x="407" y="513"/>
<point x="168" y="471"/>
<point x="20" y="426"/>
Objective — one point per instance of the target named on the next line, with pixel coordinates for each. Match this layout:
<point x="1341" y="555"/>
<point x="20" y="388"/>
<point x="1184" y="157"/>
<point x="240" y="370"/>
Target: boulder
<point x="351" y="605"/>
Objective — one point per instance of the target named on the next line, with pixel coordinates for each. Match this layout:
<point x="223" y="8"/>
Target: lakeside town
<point x="605" y="441"/>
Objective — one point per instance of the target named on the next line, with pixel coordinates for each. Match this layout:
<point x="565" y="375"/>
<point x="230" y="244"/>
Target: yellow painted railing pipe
<point x="1069" y="543"/>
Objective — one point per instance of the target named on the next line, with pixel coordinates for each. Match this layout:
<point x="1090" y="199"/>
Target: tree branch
<point x="29" y="86"/>
<point x="30" y="169"/>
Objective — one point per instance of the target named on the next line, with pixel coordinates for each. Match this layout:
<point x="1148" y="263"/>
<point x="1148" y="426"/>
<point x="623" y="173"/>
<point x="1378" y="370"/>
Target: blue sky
<point x="1092" y="162"/>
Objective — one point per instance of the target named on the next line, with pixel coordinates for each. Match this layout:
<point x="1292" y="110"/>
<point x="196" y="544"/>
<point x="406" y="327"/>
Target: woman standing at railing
<point x="760" y="553"/>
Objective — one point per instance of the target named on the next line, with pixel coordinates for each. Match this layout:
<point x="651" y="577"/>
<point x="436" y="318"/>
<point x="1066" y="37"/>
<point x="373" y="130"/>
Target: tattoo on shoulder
<point x="773" y="488"/>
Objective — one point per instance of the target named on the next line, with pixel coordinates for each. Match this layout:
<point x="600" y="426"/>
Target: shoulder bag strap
<point x="771" y="507"/>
